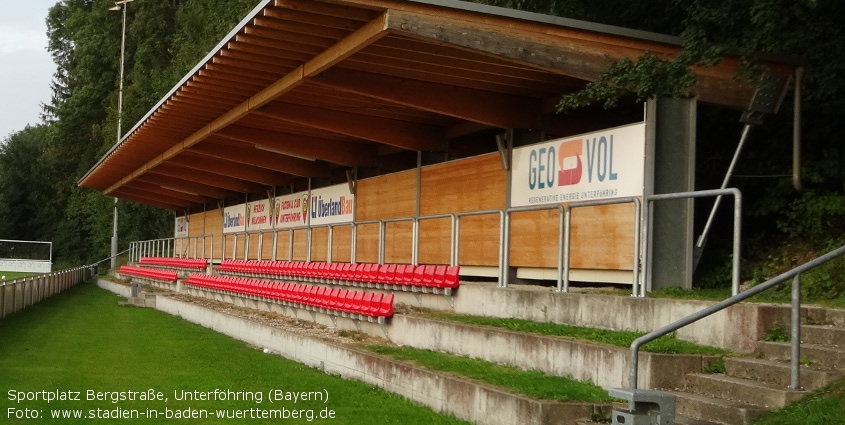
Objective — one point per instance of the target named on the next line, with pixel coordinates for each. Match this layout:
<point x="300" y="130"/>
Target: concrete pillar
<point x="671" y="125"/>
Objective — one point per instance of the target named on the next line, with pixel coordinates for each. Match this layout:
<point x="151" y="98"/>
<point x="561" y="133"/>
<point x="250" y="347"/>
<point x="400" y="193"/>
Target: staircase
<point x="752" y="386"/>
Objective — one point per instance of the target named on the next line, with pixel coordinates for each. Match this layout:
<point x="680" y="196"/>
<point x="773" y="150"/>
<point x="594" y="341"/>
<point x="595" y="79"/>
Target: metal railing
<point x="565" y="227"/>
<point x="795" y="340"/>
<point x="702" y="194"/>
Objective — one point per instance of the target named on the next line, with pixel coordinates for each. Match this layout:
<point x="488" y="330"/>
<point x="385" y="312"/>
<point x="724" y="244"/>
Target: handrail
<point x="564" y="226"/>
<point x="702" y="194"/>
<point x="635" y="280"/>
<point x="796" y="308"/>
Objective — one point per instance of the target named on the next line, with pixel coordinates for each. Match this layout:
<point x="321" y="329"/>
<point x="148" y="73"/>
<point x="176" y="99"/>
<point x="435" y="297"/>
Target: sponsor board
<point x="260" y="215"/>
<point x="181" y="228"/>
<point x="291" y="210"/>
<point x="331" y="205"/>
<point x="601" y="165"/>
<point x="234" y="219"/>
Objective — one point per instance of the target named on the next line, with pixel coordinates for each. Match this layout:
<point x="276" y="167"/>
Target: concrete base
<point x="443" y="393"/>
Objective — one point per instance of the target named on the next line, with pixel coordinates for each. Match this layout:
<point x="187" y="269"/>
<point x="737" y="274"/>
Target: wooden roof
<point x="302" y="87"/>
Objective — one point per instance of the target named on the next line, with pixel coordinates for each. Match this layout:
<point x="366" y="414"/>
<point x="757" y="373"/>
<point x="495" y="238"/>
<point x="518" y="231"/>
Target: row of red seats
<point x="144" y="272"/>
<point x="353" y="304"/>
<point x="402" y="276"/>
<point x="183" y="263"/>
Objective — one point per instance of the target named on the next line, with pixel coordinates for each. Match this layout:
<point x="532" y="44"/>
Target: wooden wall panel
<point x="366" y="247"/>
<point x="196" y="224"/>
<point x="435" y="244"/>
<point x="479" y="240"/>
<point x="214" y="227"/>
<point x="602" y="238"/>
<point x="319" y="244"/>
<point x="397" y="242"/>
<point x="235" y="238"/>
<point x="471" y="184"/>
<point x="253" y="240"/>
<point x="342" y="244"/>
<point x="300" y="245"/>
<point x="388" y="196"/>
<point x="283" y="245"/>
<point x="267" y="246"/>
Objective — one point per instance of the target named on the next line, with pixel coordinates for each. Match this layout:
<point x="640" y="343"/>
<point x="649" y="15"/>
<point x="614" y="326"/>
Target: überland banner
<point x="259" y="215"/>
<point x="234" y="219"/>
<point x="291" y="210"/>
<point x="601" y="165"/>
<point x="181" y="230"/>
<point x="331" y="205"/>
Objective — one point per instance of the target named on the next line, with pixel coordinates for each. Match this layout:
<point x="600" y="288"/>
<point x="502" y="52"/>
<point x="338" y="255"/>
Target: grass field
<point x="82" y="341"/>
<point x="13" y="275"/>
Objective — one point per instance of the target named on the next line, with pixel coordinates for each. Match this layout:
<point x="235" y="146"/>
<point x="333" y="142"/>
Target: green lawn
<point x="81" y="341"/>
<point x="13" y="275"/>
<point x="667" y="344"/>
<point x="532" y="383"/>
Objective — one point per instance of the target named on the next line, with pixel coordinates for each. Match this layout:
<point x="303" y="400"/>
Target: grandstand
<point x="340" y="161"/>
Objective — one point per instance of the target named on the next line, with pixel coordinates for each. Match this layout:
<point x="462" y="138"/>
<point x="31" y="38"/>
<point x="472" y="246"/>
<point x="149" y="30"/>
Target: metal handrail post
<point x="737" y="227"/>
<point x="795" y="337"/>
<point x="504" y="256"/>
<point x="672" y="327"/>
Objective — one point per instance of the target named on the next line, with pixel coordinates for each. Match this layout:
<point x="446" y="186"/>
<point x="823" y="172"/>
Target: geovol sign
<point x="601" y="165"/>
<point x="328" y="205"/>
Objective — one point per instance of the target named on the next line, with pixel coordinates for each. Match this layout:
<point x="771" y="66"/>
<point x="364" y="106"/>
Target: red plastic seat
<point x="386" y="306"/>
<point x="452" y="278"/>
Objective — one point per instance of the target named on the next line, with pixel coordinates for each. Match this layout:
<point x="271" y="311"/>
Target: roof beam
<point x="484" y="107"/>
<point x="156" y="202"/>
<point x="346" y="47"/>
<point x="301" y="146"/>
<point x="171" y="190"/>
<point x="401" y="134"/>
<point x="207" y="179"/>
<point x="143" y="194"/>
<point x="182" y="185"/>
<point x="267" y="160"/>
<point x="224" y="168"/>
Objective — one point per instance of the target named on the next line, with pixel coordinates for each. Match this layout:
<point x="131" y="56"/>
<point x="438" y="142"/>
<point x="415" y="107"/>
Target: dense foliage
<point x="40" y="166"/>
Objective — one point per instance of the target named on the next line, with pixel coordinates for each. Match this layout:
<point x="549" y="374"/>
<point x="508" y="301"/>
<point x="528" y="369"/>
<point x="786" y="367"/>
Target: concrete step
<point x="819" y="355"/>
<point x="715" y="410"/>
<point x="835" y="317"/>
<point x="829" y="335"/>
<point x="683" y="420"/>
<point x="778" y="373"/>
<point x="756" y="393"/>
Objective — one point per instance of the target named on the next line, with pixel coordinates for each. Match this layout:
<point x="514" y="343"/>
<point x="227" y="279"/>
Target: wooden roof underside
<point x="303" y="87"/>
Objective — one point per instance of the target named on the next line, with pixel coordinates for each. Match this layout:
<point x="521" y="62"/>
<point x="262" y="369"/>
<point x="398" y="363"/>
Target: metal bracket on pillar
<point x="503" y="142"/>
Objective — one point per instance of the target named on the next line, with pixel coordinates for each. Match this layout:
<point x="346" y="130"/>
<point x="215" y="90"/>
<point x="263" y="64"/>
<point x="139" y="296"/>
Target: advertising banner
<point x="234" y="219"/>
<point x="259" y="215"/>
<point x="331" y="205"/>
<point x="181" y="230"/>
<point x="601" y="165"/>
<point x="291" y="210"/>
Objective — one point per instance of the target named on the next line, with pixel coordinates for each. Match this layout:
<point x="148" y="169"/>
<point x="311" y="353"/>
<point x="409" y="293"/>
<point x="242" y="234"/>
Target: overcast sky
<point x="26" y="67"/>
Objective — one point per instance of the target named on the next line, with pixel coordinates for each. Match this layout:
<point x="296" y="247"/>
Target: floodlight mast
<point x="118" y="5"/>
